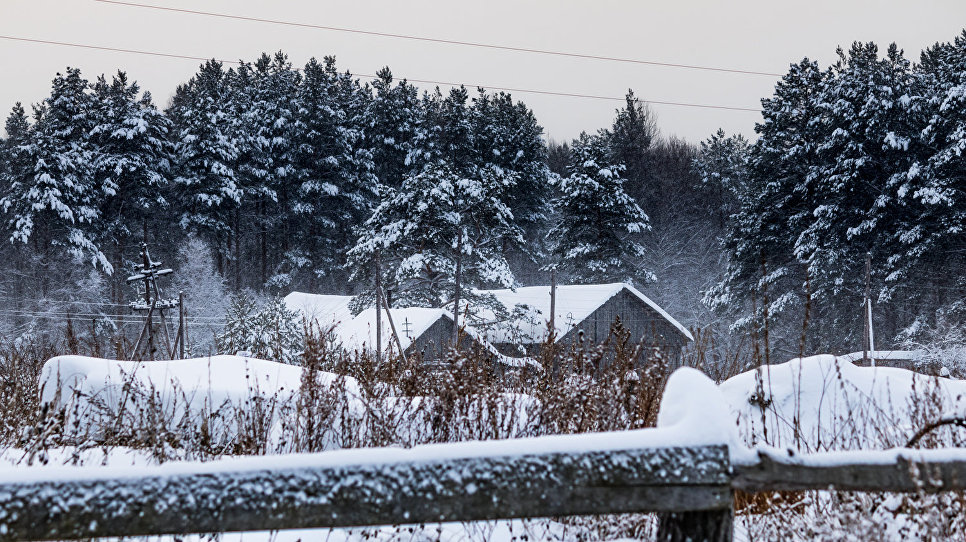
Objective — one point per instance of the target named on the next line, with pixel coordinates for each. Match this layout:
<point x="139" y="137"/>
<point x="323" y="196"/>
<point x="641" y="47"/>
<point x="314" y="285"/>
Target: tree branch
<point x="959" y="422"/>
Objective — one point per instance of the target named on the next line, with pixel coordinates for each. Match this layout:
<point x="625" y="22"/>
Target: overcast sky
<point x="757" y="35"/>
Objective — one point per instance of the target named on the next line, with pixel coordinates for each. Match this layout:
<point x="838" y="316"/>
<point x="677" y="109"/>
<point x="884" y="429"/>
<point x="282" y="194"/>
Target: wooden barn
<point x="428" y="332"/>
<point x="588" y="309"/>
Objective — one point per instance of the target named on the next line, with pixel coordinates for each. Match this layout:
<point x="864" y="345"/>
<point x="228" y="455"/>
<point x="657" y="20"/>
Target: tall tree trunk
<point x="264" y="242"/>
<point x="237" y="249"/>
<point x="117" y="281"/>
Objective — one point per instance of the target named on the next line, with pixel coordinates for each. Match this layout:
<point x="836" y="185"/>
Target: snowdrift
<point x="206" y="383"/>
<point x="232" y="396"/>
<point x="827" y="403"/>
<point x="812" y="404"/>
<point x="217" y="391"/>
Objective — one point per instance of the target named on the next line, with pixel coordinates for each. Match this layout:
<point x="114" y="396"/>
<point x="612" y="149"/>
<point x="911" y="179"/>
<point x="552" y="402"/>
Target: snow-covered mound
<point x="826" y="402"/>
<point x="218" y="392"/>
<point x="694" y="412"/>
<point x="205" y="382"/>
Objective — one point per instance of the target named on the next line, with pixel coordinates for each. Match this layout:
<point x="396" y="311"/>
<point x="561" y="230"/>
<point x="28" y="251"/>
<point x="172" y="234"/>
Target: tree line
<point x="861" y="159"/>
<point x="304" y="178"/>
<point x="310" y="179"/>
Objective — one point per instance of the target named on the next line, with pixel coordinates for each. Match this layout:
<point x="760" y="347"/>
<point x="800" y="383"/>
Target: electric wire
<point x="76" y="315"/>
<point x="372" y="77"/>
<point x="412" y="37"/>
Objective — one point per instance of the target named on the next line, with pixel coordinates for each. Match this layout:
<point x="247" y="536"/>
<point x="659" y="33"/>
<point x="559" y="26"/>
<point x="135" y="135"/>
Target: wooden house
<point x="584" y="312"/>
<point x="424" y="331"/>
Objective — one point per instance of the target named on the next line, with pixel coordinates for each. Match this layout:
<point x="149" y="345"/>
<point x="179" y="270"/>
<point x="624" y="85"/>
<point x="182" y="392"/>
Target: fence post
<point x="702" y="526"/>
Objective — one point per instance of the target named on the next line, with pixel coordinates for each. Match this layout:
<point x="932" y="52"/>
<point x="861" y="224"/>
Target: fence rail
<point x="691" y="487"/>
<point x="900" y="471"/>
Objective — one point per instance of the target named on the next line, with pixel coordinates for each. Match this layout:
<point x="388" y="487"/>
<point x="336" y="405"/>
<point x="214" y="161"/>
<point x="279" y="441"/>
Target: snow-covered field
<point x="813" y="404"/>
<point x="827" y="403"/>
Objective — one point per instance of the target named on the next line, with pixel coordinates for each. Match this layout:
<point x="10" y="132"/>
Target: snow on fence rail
<point x="691" y="486"/>
<point x="687" y="470"/>
<point x="375" y="487"/>
<point x="898" y="470"/>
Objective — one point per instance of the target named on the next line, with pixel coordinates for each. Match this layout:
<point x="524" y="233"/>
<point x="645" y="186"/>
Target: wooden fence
<point x="690" y="487"/>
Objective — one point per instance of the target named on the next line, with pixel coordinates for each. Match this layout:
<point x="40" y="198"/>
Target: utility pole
<point x="182" y="328"/>
<point x="553" y="303"/>
<point x="867" y="337"/>
<point x="152" y="303"/>
<point x="392" y="326"/>
<point x="456" y="293"/>
<point x="378" y="311"/>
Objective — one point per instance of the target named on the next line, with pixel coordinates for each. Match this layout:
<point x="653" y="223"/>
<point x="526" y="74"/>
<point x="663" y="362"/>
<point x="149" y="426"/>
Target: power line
<point x="64" y="302"/>
<point x="114" y="49"/>
<point x="370" y="76"/>
<point x="442" y="41"/>
<point x="88" y="315"/>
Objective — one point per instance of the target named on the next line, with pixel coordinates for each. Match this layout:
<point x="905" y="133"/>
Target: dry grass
<point x="583" y="388"/>
<point x="471" y="396"/>
<point x="835" y="515"/>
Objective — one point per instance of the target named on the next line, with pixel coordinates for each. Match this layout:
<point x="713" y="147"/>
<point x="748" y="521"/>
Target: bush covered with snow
<point x="828" y="403"/>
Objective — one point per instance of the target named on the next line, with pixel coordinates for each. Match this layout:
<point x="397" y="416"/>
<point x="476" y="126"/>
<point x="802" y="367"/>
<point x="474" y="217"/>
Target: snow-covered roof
<point x="573" y="305"/>
<point x="324" y="309"/>
<point x="360" y="331"/>
<point x="357" y="332"/>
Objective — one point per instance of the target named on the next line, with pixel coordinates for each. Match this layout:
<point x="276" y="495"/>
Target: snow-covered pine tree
<point x="864" y="144"/>
<point x="131" y="168"/>
<point x="599" y="227"/>
<point x="928" y="244"/>
<point x="268" y="112"/>
<point x="15" y="162"/>
<point x="446" y="134"/>
<point x="16" y="170"/>
<point x="630" y="139"/>
<point x="722" y="164"/>
<point x="241" y="327"/>
<point x="282" y="335"/>
<point x="509" y="141"/>
<point x="268" y="331"/>
<point x="336" y="187"/>
<point x="765" y="276"/>
<point x="55" y="206"/>
<point x="206" y="136"/>
<point x="205" y="294"/>
<point x="392" y="122"/>
<point x="438" y="237"/>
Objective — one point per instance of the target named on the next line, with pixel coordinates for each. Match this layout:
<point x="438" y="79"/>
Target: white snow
<point x="828" y="403"/>
<point x="865" y="457"/>
<point x="214" y="380"/>
<point x="95" y="390"/>
<point x="693" y="412"/>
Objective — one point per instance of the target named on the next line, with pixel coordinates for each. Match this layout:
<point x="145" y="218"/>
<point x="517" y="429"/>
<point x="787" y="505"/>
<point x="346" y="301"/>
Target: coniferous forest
<point x="266" y="177"/>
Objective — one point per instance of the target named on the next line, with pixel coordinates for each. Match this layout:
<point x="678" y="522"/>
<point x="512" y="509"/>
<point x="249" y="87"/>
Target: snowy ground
<point x="827" y="403"/>
<point x="812" y="404"/>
